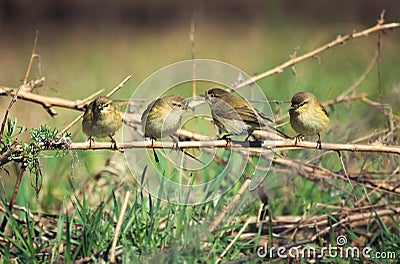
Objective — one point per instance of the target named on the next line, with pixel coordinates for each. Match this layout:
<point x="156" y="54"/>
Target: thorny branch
<point x="268" y="144"/>
<point x="338" y="41"/>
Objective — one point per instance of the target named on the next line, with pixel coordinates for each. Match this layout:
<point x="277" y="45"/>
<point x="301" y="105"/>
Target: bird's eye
<point x="106" y="105"/>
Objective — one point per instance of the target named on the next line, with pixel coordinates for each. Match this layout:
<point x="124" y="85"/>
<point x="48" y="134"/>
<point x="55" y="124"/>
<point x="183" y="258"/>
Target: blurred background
<point x="85" y="46"/>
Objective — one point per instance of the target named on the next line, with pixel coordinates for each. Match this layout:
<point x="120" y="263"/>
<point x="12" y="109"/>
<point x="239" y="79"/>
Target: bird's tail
<point x="268" y="124"/>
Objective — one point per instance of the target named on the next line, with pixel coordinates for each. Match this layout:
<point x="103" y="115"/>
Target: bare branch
<point x="336" y="42"/>
<point x="267" y="144"/>
<point x="119" y="86"/>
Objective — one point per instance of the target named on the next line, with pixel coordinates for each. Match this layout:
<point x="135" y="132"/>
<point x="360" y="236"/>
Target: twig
<point x="14" y="196"/>
<point x="46" y="101"/>
<point x="33" y="56"/>
<point x="21" y="88"/>
<point x="353" y="87"/>
<point x="316" y="173"/>
<point x="233" y="241"/>
<point x="119" y="86"/>
<point x="379" y="50"/>
<point x="118" y="227"/>
<point x="388" y="114"/>
<point x="337" y="41"/>
<point x="192" y="31"/>
<point x="218" y="220"/>
<point x="344" y="169"/>
<point x="267" y="144"/>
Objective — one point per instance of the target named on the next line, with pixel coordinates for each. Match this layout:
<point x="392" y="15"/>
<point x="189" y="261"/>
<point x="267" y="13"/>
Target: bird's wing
<point x="265" y="117"/>
<point x="225" y="111"/>
<point x="249" y="114"/>
<point x="323" y="109"/>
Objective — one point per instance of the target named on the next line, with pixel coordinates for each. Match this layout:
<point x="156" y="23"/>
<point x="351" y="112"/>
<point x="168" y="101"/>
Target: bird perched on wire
<point x="101" y="119"/>
<point x="235" y="116"/>
<point x="308" y="116"/>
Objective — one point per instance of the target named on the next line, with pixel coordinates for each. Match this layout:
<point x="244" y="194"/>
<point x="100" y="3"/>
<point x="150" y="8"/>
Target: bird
<point x="234" y="115"/>
<point x="101" y="119"/>
<point x="163" y="116"/>
<point x="308" y="116"/>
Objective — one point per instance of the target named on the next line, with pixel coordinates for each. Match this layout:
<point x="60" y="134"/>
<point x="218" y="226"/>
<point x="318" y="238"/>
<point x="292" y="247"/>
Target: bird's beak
<point x="292" y="108"/>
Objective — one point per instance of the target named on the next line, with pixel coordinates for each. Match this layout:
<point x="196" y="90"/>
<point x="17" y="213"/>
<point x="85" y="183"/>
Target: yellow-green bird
<point x="308" y="116"/>
<point x="163" y="116"/>
<point x="234" y="115"/>
<point x="101" y="119"/>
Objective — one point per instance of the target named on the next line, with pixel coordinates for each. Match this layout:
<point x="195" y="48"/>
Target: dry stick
<point x="344" y="170"/>
<point x="14" y="196"/>
<point x="378" y="106"/>
<point x="3" y="124"/>
<point x="347" y="177"/>
<point x="118" y="227"/>
<point x="33" y="56"/>
<point x="192" y="31"/>
<point x="267" y="144"/>
<point x="116" y="88"/>
<point x="48" y="102"/>
<point x="358" y="217"/>
<point x="218" y="220"/>
<point x="322" y="222"/>
<point x="233" y="241"/>
<point x="364" y="197"/>
<point x="299" y="222"/>
<point x="13" y="100"/>
<point x="366" y="214"/>
<point x="119" y="86"/>
<point x="337" y="41"/>
<point x="391" y="133"/>
<point x="316" y="173"/>
<point x="88" y="99"/>
<point x="21" y="88"/>
<point x="381" y="20"/>
<point x="353" y="87"/>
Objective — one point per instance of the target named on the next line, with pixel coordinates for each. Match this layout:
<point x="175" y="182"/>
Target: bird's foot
<point x="113" y="143"/>
<point x="298" y="138"/>
<point x="90" y="139"/>
<point x="319" y="142"/>
<point x="152" y="140"/>
<point x="228" y="139"/>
